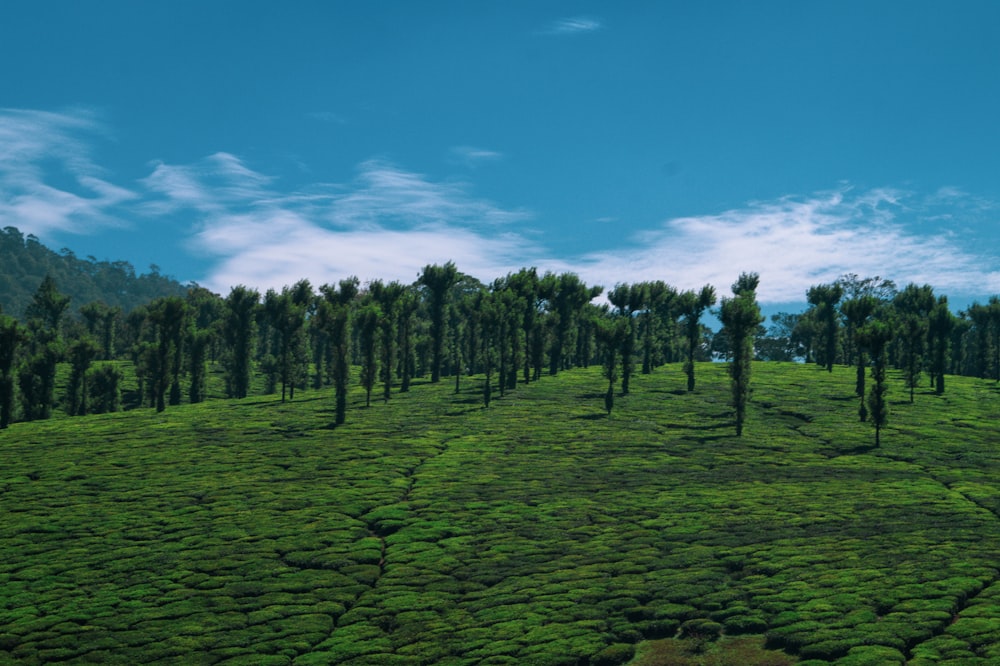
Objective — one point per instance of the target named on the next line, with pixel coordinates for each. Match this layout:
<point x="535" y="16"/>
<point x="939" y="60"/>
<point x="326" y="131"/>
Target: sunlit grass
<point x="429" y="530"/>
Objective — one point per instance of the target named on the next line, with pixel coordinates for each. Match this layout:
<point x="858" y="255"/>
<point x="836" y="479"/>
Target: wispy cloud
<point x="39" y="149"/>
<point x="212" y="185"/>
<point x="795" y="243"/>
<point x="387" y="223"/>
<point x="470" y="156"/>
<point x="574" y="25"/>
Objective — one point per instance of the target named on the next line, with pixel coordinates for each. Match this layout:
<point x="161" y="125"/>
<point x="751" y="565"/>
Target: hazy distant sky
<point x="263" y="142"/>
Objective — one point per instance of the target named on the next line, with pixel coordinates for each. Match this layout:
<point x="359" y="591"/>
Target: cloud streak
<point x="38" y="149"/>
<point x="470" y="156"/>
<point x="575" y="25"/>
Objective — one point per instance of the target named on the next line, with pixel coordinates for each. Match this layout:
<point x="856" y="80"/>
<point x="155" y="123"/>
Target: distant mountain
<point x="24" y="263"/>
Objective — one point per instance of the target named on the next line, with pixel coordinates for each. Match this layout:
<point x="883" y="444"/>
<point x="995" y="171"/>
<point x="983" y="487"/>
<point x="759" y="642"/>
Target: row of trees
<point x="447" y="324"/>
<point x="869" y="323"/>
<point x="929" y="338"/>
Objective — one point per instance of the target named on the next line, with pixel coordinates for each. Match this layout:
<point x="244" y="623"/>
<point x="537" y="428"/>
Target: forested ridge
<point x="25" y="261"/>
<point x="102" y="356"/>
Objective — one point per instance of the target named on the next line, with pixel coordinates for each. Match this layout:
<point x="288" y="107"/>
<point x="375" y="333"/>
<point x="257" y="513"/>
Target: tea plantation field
<point x="431" y="531"/>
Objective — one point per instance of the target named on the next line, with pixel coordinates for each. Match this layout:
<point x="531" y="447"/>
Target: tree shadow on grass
<point x="464" y="412"/>
<point x="858" y="450"/>
<point x="703" y="426"/>
<point x="668" y="392"/>
<point x="591" y="417"/>
<point x="713" y="438"/>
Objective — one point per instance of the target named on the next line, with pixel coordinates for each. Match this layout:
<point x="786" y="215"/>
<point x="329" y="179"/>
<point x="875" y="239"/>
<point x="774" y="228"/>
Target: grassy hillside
<point x="431" y="531"/>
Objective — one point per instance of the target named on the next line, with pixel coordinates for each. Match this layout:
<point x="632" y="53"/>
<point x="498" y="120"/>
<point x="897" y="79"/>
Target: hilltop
<point x="429" y="530"/>
<point x="25" y="261"/>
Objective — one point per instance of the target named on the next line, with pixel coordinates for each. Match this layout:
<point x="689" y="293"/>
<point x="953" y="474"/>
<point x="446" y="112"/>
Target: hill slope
<point x="429" y="530"/>
<point x="24" y="263"/>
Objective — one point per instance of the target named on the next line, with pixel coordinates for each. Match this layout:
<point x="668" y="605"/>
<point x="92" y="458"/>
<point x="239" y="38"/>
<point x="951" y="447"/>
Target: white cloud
<point x="218" y="181"/>
<point x="386" y="195"/>
<point x="470" y="156"/>
<point x="278" y="248"/>
<point x="388" y="223"/>
<point x="794" y="244"/>
<point x="39" y="148"/>
<point x="575" y="25"/>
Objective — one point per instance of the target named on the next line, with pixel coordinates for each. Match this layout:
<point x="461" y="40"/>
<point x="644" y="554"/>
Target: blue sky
<point x="260" y="143"/>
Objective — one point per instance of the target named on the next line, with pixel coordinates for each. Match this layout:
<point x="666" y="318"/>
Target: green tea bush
<point x="617" y="653"/>
<point x="872" y="656"/>
<point x="426" y="531"/>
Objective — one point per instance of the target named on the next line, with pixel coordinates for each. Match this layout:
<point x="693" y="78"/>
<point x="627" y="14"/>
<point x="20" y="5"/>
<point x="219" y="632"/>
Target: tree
<point x="101" y="321"/>
<point x="857" y="311"/>
<point x="104" y="381"/>
<point x="875" y="337"/>
<point x="979" y="315"/>
<point x="285" y="313"/>
<point x="48" y="305"/>
<point x="940" y="326"/>
<point x="81" y="354"/>
<point x="388" y="297"/>
<point x="780" y="343"/>
<point x="407" y="304"/>
<point x="438" y="280"/>
<point x="169" y="318"/>
<point x="876" y="290"/>
<point x="511" y="347"/>
<point x="610" y="333"/>
<point x="991" y="333"/>
<point x="335" y="314"/>
<point x="490" y="311"/>
<point x="11" y="337"/>
<point x="198" y="343"/>
<point x="628" y="300"/>
<point x="463" y="337"/>
<point x="692" y="306"/>
<point x="913" y="307"/>
<point x="568" y="296"/>
<point x="239" y="329"/>
<point x="368" y="318"/>
<point x="960" y="337"/>
<point x="655" y="311"/>
<point x="741" y="316"/>
<point x="524" y="284"/>
<point x="824" y="300"/>
<point x="36" y="378"/>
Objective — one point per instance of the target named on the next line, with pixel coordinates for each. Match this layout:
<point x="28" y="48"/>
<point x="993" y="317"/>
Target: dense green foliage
<point x="740" y="316"/>
<point x="428" y="530"/>
<point x="25" y="262"/>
